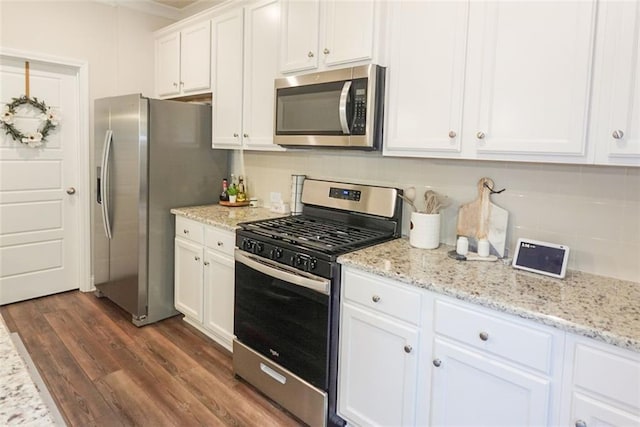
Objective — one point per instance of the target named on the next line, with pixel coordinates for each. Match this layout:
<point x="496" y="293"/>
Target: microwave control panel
<point x="359" y="88"/>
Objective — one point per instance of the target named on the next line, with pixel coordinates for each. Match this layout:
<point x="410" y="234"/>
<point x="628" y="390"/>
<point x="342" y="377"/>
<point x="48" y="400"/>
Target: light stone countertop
<point x="20" y="401"/>
<point x="594" y="306"/>
<point x="223" y="216"/>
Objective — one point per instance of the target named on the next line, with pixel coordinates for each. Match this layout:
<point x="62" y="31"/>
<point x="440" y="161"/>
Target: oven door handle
<point x="284" y="273"/>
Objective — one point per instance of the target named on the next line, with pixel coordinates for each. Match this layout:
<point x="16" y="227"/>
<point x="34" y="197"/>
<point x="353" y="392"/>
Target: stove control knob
<point x="278" y="253"/>
<point x="313" y="263"/>
<point x="257" y="247"/>
<point x="246" y="244"/>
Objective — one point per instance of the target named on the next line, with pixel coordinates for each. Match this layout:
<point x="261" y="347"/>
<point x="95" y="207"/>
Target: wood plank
<point x="102" y="370"/>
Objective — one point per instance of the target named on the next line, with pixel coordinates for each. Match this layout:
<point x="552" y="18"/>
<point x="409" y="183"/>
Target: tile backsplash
<point x="595" y="210"/>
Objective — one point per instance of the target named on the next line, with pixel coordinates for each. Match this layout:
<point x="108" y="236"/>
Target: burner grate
<point x="322" y="234"/>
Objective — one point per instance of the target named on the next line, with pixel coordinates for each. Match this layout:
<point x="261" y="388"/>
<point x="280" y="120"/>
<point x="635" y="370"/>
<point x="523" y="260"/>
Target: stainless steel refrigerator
<point x="151" y="156"/>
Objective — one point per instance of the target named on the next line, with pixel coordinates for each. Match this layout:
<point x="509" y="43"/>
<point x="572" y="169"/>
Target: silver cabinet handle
<point x="181" y="83"/>
<point x="175" y="84"/>
<point x="617" y="134"/>
<point x="437" y="363"/>
<point x="310" y="54"/>
<point x="452" y="134"/>
<point x="484" y="336"/>
<point x="185" y="231"/>
<point x="197" y="258"/>
<point x="375" y="298"/>
<point x="71" y="190"/>
<point x="581" y="423"/>
<point x="206" y="263"/>
<point x="480" y="135"/>
<point x="220" y="243"/>
<point x="326" y="51"/>
<point x="407" y="348"/>
<point x="235" y="135"/>
<point x="246" y="135"/>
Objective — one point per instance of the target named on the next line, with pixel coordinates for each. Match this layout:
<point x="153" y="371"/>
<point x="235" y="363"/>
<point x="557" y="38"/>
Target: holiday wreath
<point x="33" y="139"/>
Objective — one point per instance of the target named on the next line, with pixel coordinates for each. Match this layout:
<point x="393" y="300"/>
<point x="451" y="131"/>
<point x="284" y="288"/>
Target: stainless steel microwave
<point x="332" y="109"/>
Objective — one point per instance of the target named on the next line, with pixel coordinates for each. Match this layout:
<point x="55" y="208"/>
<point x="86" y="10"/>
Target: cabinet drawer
<point x="189" y="229"/>
<point x="615" y="375"/>
<point x="220" y="240"/>
<point x="392" y="299"/>
<point x="500" y="335"/>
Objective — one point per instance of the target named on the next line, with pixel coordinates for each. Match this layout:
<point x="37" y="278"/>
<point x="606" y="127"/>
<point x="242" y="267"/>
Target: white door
<point x="40" y="212"/>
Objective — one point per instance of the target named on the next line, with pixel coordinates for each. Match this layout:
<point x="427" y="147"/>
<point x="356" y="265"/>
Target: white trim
<point x="84" y="163"/>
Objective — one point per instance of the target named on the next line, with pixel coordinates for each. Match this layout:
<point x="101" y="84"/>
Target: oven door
<point x="283" y="314"/>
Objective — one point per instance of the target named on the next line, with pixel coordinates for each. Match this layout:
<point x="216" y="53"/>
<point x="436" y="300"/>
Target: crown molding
<point x="147" y="6"/>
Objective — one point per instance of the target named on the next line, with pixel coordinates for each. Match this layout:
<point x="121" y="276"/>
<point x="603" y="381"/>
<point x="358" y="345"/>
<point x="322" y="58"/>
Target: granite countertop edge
<point x="224" y="217"/>
<point x="621" y="328"/>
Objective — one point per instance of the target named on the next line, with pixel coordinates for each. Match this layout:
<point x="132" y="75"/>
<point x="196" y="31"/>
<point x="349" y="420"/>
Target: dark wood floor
<point x="102" y="370"/>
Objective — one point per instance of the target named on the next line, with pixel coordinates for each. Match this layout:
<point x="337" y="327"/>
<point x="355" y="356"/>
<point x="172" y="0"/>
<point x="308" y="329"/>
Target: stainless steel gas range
<point x="287" y="290"/>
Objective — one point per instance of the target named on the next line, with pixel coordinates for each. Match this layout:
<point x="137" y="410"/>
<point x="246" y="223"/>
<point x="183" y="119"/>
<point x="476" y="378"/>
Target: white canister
<point x="483" y="247"/>
<point x="425" y="230"/>
<point x="462" y="245"/>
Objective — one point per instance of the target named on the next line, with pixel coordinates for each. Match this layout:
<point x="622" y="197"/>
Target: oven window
<point x="286" y="323"/>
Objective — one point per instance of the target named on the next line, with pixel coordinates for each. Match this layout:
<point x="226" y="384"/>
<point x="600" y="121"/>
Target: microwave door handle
<point x="342" y="109"/>
<point x="282" y="272"/>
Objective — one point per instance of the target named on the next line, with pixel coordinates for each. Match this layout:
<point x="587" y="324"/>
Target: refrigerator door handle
<point x="104" y="182"/>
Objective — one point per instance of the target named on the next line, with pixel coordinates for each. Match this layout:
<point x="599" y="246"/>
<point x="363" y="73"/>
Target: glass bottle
<point x="224" y="196"/>
<point x="242" y="195"/>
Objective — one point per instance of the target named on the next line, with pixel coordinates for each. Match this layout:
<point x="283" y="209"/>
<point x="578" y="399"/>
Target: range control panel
<point x="345" y="194"/>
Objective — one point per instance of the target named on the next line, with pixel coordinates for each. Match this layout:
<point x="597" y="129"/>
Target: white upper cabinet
<point x="318" y="34"/>
<point x="528" y="74"/>
<point x="227" y="79"/>
<point x="245" y="64"/>
<point x="615" y="130"/>
<point x="425" y="84"/>
<point x="493" y="80"/>
<point x="183" y="61"/>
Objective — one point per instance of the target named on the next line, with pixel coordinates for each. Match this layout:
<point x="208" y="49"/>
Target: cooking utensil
<point x="409" y="196"/>
<point x="481" y="219"/>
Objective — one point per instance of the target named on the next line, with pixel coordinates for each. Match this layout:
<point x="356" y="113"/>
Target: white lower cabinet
<point x="379" y="352"/>
<point x="602" y="385"/>
<point x="204" y="278"/>
<point x="470" y="388"/>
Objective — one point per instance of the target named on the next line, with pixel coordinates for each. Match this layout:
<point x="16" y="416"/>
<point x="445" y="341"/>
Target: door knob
<point x="71" y="190"/>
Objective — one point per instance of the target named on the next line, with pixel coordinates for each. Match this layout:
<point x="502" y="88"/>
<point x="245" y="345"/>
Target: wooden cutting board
<point x="481" y="219"/>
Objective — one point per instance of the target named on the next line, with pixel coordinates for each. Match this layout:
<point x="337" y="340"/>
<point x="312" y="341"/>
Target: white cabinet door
<point x="227" y="79"/>
<point x="348" y="31"/>
<point x="168" y="65"/>
<point x="426" y="78"/>
<point x="195" y="58"/>
<point x="378" y="363"/>
<point x="300" y="21"/>
<point x="219" y="292"/>
<point x="261" y="37"/>
<point x="468" y="388"/>
<point x="616" y="110"/>
<point x="528" y="75"/>
<point x="188" y="279"/>
<point x="595" y="413"/>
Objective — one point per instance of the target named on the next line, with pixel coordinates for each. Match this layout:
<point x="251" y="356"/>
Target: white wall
<point x="116" y="42"/>
<point x="594" y="210"/>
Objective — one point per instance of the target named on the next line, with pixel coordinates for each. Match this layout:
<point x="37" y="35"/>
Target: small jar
<point x="462" y="245"/>
<point x="483" y="247"/>
<point x="253" y="202"/>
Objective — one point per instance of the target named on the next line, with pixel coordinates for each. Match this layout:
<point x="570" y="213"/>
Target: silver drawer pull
<point x="617" y="134"/>
<point x="484" y="336"/>
<point x="375" y="298"/>
<point x="273" y="374"/>
<point x="185" y="231"/>
<point x="581" y="423"/>
<point x="408" y="348"/>
<point x="197" y="258"/>
<point x="437" y="363"/>
<point x="206" y="263"/>
<point x="220" y="243"/>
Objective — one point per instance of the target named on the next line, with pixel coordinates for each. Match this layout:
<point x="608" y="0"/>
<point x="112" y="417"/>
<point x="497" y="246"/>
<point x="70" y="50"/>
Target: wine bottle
<point x="224" y="196"/>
